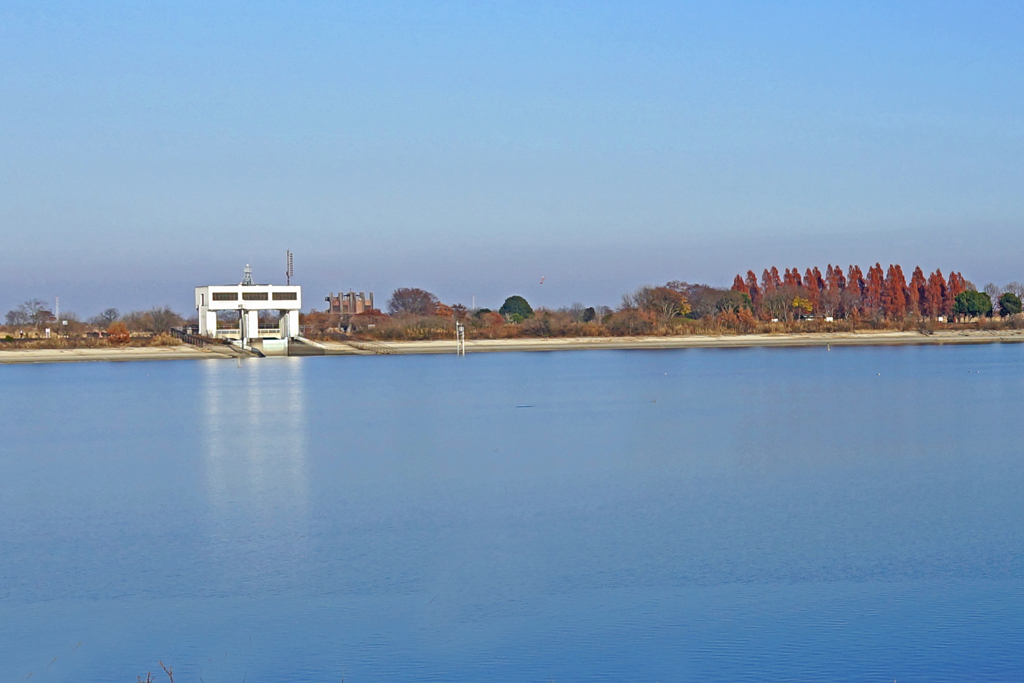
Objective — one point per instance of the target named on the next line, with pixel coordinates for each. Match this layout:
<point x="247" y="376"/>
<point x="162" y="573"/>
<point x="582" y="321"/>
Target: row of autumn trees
<point x="876" y="295"/>
<point x="790" y="301"/>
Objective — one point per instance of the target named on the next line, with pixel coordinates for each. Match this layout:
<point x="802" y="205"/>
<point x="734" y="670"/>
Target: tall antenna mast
<point x="290" y="268"/>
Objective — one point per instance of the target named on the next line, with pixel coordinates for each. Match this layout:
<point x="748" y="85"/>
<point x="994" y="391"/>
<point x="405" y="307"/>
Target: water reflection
<point x="254" y="441"/>
<point x="740" y="515"/>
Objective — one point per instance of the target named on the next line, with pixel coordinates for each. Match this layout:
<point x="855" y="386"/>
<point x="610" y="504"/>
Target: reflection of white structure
<point x="254" y="451"/>
<point x="248" y="300"/>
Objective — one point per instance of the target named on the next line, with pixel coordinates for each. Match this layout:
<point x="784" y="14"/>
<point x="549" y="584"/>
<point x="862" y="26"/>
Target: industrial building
<point x="349" y="304"/>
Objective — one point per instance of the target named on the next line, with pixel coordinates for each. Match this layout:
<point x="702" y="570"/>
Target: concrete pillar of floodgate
<point x="291" y="323"/>
<point x="252" y="324"/>
<point x="207" y="322"/>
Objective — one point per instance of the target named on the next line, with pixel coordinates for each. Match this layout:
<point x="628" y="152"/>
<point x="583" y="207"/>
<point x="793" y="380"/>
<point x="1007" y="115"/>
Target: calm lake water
<point x="712" y="515"/>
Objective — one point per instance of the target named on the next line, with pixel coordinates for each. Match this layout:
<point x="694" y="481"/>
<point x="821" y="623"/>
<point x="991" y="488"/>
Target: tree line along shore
<point x="829" y="301"/>
<point x="786" y="303"/>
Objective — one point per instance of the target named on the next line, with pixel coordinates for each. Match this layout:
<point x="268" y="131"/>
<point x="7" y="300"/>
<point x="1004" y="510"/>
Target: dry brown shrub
<point x="412" y="328"/>
<point x="729" y="320"/>
<point x="509" y="331"/>
<point x="492" y="319"/>
<point x="118" y="334"/>
<point x="537" y="326"/>
<point x="164" y="339"/>
<point x="745" y="321"/>
<point x="51" y="343"/>
<point x="630" y="322"/>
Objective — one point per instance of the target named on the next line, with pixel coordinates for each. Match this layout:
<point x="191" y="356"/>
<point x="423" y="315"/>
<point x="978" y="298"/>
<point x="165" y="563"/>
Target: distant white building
<point x="248" y="300"/>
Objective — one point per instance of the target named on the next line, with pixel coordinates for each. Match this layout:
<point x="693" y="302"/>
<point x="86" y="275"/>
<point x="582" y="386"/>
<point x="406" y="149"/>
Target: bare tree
<point x="31" y="312"/>
<point x="106" y="318"/>
<point x="576" y="311"/>
<point x="1015" y="288"/>
<point x="994" y="291"/>
<point x="162" y="319"/>
<point x="412" y="301"/>
<point x="776" y="303"/>
<point x="16" y="317"/>
<point x="703" y="299"/>
<point x="136" y="321"/>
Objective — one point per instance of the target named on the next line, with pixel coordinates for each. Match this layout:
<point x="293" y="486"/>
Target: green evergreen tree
<point x="1009" y="304"/>
<point x="516" y="306"/>
<point x="972" y="304"/>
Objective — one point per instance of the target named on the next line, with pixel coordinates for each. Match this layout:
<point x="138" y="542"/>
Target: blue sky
<point x="471" y="148"/>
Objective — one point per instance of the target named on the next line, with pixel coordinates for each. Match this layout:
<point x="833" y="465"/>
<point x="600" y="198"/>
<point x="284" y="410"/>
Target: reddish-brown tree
<point x="894" y="298"/>
<point x="855" y="281"/>
<point x="954" y="285"/>
<point x="917" y="292"/>
<point x="819" y="280"/>
<point x="755" y="291"/>
<point x="906" y="288"/>
<point x="814" y="283"/>
<point x="936" y="294"/>
<point x="831" y="295"/>
<point x="873" y="290"/>
<point x="853" y="293"/>
<point x="738" y="285"/>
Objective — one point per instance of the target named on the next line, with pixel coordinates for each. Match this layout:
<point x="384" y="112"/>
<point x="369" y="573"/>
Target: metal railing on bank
<point x="187" y="335"/>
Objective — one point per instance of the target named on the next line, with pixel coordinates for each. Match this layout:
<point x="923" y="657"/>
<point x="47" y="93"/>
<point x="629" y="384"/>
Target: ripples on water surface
<point x="729" y="515"/>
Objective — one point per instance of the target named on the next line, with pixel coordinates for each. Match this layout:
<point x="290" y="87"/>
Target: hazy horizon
<point x="471" y="150"/>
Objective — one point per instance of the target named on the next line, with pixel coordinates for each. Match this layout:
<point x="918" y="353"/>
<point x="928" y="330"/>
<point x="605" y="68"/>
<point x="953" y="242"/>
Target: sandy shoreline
<point x="127" y="353"/>
<point x="867" y="338"/>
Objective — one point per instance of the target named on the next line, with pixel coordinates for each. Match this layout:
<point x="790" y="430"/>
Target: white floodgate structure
<point x="248" y="301"/>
